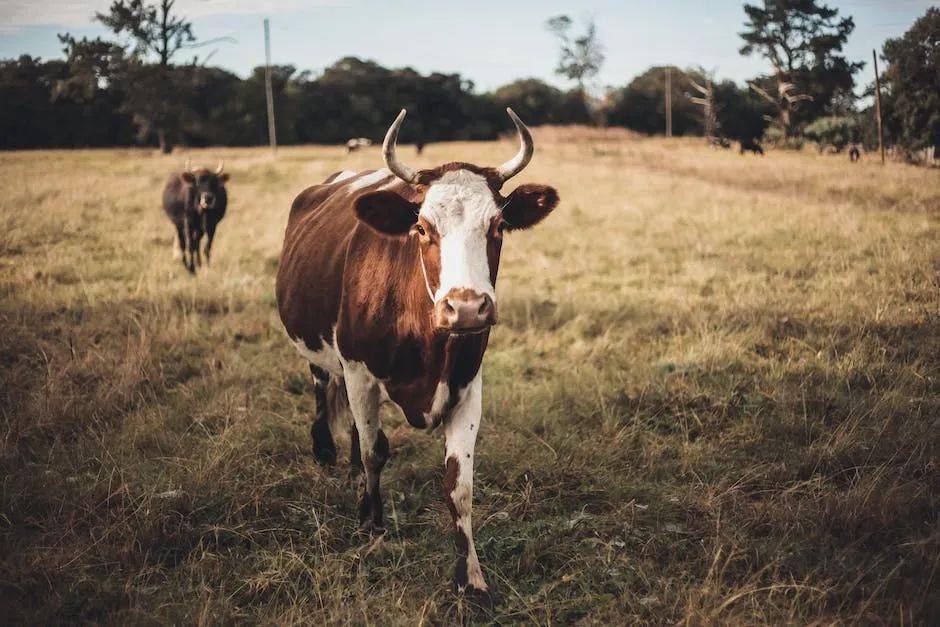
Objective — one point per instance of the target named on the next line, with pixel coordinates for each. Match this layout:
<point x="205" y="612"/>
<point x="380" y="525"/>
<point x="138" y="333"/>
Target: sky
<point x="487" y="41"/>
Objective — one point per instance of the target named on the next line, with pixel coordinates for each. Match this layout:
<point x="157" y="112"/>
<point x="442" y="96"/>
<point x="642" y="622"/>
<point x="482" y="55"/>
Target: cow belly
<point x="324" y="358"/>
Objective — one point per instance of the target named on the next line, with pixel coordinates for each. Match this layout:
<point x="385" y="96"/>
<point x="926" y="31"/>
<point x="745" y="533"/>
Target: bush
<point x="774" y="136"/>
<point x="836" y="132"/>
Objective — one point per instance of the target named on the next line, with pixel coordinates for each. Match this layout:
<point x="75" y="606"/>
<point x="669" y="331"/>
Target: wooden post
<point x="881" y="137"/>
<point x="668" y="101"/>
<point x="272" y="134"/>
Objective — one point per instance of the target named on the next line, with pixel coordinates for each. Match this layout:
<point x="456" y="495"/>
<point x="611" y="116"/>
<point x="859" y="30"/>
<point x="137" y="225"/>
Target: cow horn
<point x="515" y="165"/>
<point x="398" y="168"/>
<point x="189" y="165"/>
<point x="221" y="167"/>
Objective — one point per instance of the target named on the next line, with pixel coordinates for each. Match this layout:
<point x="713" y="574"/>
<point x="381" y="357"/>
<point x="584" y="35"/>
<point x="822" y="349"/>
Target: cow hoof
<point x="324" y="456"/>
<point x="371" y="528"/>
<point x="479" y="597"/>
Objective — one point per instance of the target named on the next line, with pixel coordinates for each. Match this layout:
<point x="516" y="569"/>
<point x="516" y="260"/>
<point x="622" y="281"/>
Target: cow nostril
<point x="448" y="307"/>
<point x="484" y="307"/>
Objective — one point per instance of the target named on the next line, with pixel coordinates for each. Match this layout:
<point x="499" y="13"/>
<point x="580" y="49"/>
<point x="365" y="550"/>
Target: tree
<point x="640" y="106"/>
<point x="580" y="57"/>
<point x="91" y="67"/>
<point x="538" y="103"/>
<point x="158" y="34"/>
<point x="912" y="84"/>
<point x="802" y="40"/>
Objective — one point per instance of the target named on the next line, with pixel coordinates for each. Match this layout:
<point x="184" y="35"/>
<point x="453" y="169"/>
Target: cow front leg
<point x="195" y="240"/>
<point x="210" y="235"/>
<point x="460" y="432"/>
<point x="188" y="247"/>
<point x="363" y="392"/>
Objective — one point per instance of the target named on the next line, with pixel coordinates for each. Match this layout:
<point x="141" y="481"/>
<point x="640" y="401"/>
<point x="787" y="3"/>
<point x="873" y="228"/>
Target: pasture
<point x="713" y="397"/>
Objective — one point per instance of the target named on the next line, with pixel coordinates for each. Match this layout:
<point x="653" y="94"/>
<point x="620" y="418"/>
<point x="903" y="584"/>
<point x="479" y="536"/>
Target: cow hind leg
<point x="324" y="448"/>
<point x="178" y="242"/>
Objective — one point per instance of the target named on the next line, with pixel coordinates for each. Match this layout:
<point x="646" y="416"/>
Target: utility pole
<point x="272" y="135"/>
<point x="668" y="101"/>
<point x="881" y="137"/>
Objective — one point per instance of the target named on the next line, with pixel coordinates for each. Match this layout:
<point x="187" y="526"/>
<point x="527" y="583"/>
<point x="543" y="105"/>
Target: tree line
<point x="136" y="92"/>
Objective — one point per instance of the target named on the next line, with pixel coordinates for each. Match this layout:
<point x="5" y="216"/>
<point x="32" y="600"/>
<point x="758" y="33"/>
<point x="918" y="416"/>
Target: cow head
<point x="457" y="215"/>
<point x="205" y="185"/>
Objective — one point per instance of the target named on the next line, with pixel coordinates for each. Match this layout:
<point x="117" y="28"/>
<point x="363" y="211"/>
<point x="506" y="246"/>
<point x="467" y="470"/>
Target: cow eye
<point x="420" y="230"/>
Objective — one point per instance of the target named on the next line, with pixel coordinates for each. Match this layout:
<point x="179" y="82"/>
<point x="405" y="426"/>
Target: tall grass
<point x="713" y="397"/>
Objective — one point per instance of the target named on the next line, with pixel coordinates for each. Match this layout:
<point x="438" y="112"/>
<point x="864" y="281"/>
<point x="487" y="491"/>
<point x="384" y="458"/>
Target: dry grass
<point x="713" y="398"/>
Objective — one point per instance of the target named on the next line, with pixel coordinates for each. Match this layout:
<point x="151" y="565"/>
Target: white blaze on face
<point x="460" y="205"/>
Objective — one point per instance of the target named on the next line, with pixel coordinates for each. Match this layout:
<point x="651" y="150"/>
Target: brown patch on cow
<point x="460" y="568"/>
<point x="451" y="470"/>
<point x="461" y="542"/>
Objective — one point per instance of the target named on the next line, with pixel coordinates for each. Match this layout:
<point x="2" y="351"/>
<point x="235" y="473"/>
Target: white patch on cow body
<point x="326" y="358"/>
<point x="440" y="404"/>
<point x="345" y="174"/>
<point x="369" y="179"/>
<point x="460" y="205"/>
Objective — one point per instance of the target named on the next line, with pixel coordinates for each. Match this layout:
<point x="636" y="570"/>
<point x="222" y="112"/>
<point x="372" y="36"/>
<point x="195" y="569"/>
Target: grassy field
<point x="713" y="397"/>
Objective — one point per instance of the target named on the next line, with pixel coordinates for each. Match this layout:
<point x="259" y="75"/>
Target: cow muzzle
<point x="464" y="311"/>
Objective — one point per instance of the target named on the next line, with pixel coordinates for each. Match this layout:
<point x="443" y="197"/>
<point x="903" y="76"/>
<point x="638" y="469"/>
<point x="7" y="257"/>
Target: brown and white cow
<point x="386" y="286"/>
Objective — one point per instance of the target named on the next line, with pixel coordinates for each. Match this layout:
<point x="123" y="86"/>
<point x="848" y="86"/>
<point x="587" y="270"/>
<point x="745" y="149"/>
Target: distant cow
<point x="854" y="153"/>
<point x="356" y="143"/>
<point x="386" y="287"/>
<point x="752" y="145"/>
<point x="195" y="200"/>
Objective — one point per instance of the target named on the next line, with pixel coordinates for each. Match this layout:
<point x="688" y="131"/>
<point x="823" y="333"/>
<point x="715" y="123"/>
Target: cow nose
<point x="465" y="311"/>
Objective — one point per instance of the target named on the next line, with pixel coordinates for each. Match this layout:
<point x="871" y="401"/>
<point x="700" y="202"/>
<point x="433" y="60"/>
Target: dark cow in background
<point x="386" y="286"/>
<point x="195" y="200"/>
<point x="751" y="144"/>
<point x="854" y="153"/>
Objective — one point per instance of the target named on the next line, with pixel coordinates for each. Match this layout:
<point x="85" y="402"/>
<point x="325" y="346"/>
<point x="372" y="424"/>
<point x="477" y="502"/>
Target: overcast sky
<point x="490" y="42"/>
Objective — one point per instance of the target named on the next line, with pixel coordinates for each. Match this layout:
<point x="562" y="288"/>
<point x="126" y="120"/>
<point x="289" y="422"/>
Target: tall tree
<point x="580" y="58"/>
<point x="912" y="83"/>
<point x="802" y="40"/>
<point x="159" y="35"/>
<point x="91" y="66"/>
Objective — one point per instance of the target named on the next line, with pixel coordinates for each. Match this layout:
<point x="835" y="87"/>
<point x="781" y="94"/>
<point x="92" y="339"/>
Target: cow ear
<point x="528" y="205"/>
<point x="386" y="212"/>
<point x="223" y="178"/>
<point x="187" y="177"/>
